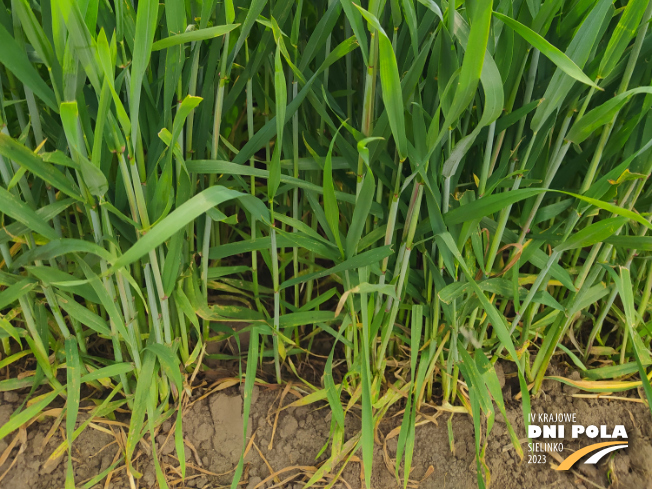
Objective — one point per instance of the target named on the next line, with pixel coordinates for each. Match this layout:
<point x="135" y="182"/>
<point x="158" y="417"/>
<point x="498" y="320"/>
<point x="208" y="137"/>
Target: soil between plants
<point x="213" y="430"/>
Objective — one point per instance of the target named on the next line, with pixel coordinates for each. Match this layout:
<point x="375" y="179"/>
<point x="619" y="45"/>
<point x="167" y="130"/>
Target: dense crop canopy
<point x="426" y="187"/>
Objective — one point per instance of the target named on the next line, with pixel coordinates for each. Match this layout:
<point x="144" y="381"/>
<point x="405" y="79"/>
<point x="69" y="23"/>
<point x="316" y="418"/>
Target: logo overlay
<point x="547" y="426"/>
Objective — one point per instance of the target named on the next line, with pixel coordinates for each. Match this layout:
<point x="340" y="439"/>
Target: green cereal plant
<point x="427" y="186"/>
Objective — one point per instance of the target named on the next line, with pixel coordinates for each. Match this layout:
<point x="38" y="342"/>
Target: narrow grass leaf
<point x="622" y="34"/>
<point x="601" y="115"/>
<point x="192" y="36"/>
<point x="21" y="212"/>
<point x="250" y="379"/>
<point x="391" y="85"/>
<point x="15" y="151"/>
<point x="73" y="386"/>
<point x="562" y="61"/>
<point x="175" y="221"/>
<point x="592" y="234"/>
<point x="146" y="18"/>
<point x="15" y="59"/>
<point x="24" y="416"/>
<point x="143" y="390"/>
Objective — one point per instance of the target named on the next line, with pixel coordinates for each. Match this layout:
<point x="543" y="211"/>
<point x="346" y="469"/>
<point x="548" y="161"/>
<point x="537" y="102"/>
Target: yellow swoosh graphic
<point x="571" y="459"/>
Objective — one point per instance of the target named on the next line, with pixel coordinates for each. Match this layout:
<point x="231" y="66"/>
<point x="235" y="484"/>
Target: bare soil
<point x="288" y="447"/>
